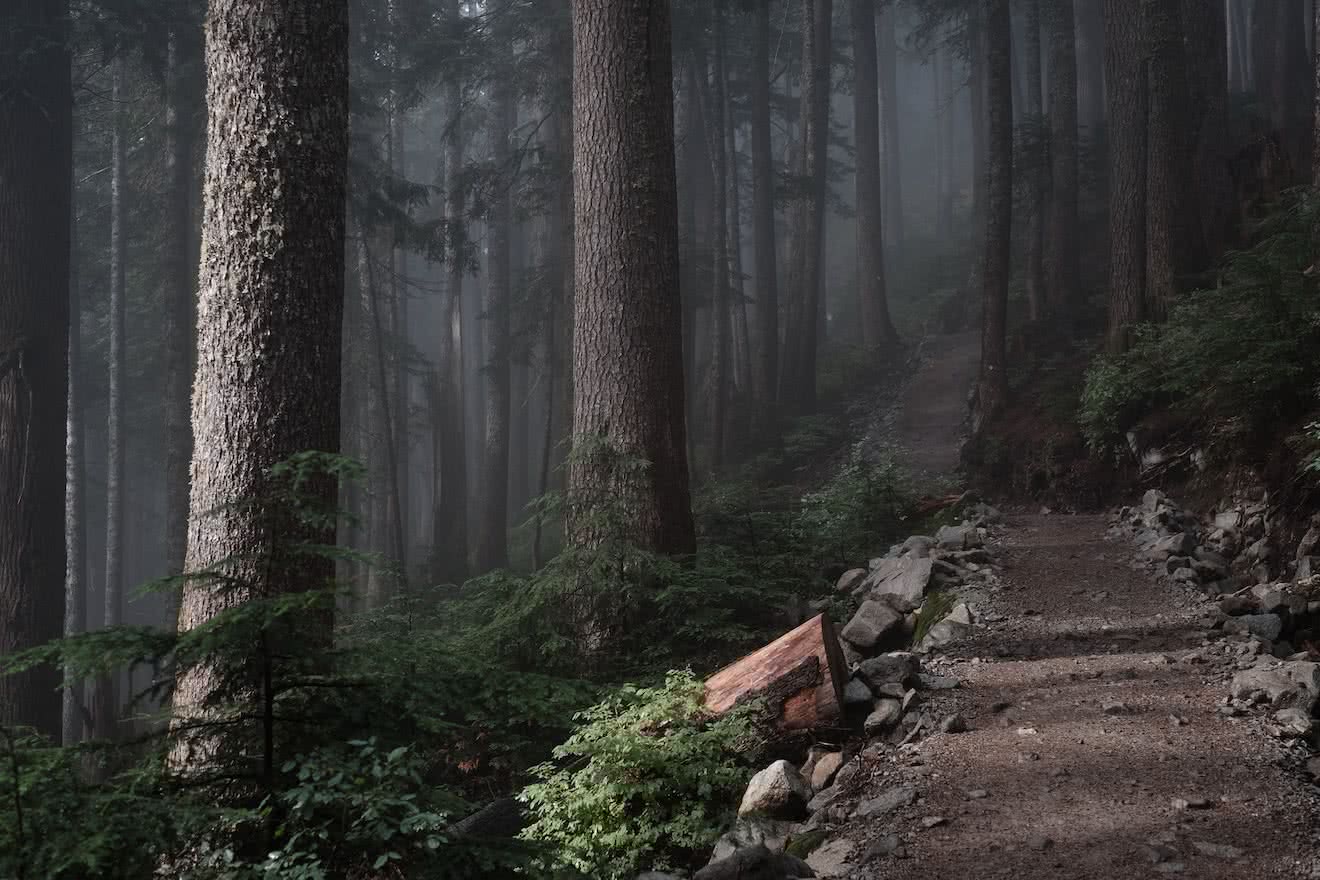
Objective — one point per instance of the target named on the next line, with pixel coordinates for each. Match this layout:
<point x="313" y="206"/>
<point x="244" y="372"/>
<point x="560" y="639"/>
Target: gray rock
<point x="906" y="579"/>
<point x="1178" y="544"/>
<point x="898" y="667"/>
<point x="958" y="625"/>
<point x="1308" y="567"/>
<point x="930" y="682"/>
<point x="826" y="767"/>
<point x="1217" y="850"/>
<point x="777" y="792"/>
<point x="850" y="580"/>
<point x="831" y="859"/>
<point x="918" y="546"/>
<point x="856" y="693"/>
<point x="751" y="831"/>
<point x="1153" y="500"/>
<point x="1294" y="723"/>
<point x="888" y="845"/>
<point x="882" y="719"/>
<point x="895" y="798"/>
<point x="963" y="537"/>
<point x="954" y="724"/>
<point x="755" y="863"/>
<point x="1293" y="683"/>
<point x="871" y="624"/>
<point x="1267" y="627"/>
<point x="1236" y="606"/>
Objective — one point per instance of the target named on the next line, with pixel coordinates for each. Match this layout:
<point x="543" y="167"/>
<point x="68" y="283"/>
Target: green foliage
<point x="1236" y="359"/>
<point x="935" y="608"/>
<point x="646" y="780"/>
<point x="856" y="510"/>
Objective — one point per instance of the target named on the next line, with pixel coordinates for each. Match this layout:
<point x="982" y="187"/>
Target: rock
<point x="851" y="580"/>
<point x="755" y="863"/>
<point x="1313" y="768"/>
<point x="1236" y="606"/>
<point x="1178" y="544"/>
<point x="823" y="773"/>
<point x="777" y="792"/>
<point x="872" y="622"/>
<point x="1266" y="627"/>
<point x="929" y="682"/>
<point x="1217" y="850"/>
<point x="1153" y="500"/>
<point x="905" y="579"/>
<point x="956" y="626"/>
<point x="898" y="667"/>
<point x="750" y="831"/>
<point x="1308" y="567"/>
<point x="918" y="546"/>
<point x="895" y="798"/>
<point x="888" y="845"/>
<point x="963" y="537"/>
<point x="831" y="860"/>
<point x="1114" y="707"/>
<point x="882" y="719"/>
<point x="856" y="693"/>
<point x="1192" y="803"/>
<point x="953" y="724"/>
<point x="847" y="773"/>
<point x="977" y="794"/>
<point x="1293" y="723"/>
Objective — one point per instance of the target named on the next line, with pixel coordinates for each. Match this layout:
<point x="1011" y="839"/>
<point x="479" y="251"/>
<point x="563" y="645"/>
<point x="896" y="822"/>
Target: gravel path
<point x="929" y="425"/>
<point x="1096" y="748"/>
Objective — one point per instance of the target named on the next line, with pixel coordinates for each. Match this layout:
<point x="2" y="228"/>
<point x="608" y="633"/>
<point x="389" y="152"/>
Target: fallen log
<point x="800" y="676"/>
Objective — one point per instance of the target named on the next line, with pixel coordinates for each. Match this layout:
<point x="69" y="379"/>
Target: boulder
<point x="751" y="831"/>
<point x="1266" y="627"/>
<point x="755" y="863"/>
<point x="777" y="792"/>
<point x="856" y="693"/>
<point x="957" y="625"/>
<point x="824" y="771"/>
<point x="831" y="859"/>
<point x="1177" y="544"/>
<point x="1236" y="606"/>
<point x="1310" y="541"/>
<point x="887" y="802"/>
<point x="1153" y="500"/>
<point x="898" y="667"/>
<point x="1307" y="567"/>
<point x="850" y="580"/>
<point x="1297" y="682"/>
<point x="918" y="546"/>
<point x="905" y="579"/>
<point x="884" y="717"/>
<point x="871" y="624"/>
<point x="963" y="537"/>
<point x="1293" y="723"/>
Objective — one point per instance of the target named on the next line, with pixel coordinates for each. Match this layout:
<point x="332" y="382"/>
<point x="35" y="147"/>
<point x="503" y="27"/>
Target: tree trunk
<point x="976" y="48"/>
<point x="1091" y="65"/>
<point x="891" y="149"/>
<point x="493" y="534"/>
<point x="877" y="328"/>
<point x="1315" y="114"/>
<point x="627" y="342"/>
<point x="1063" y="271"/>
<point x="944" y="96"/>
<point x="269" y="316"/>
<point x="1036" y="160"/>
<point x="992" y="388"/>
<point x="1207" y="69"/>
<point x="742" y="334"/>
<point x="1172" y="231"/>
<point x="720" y="336"/>
<point x="798" y="379"/>
<point x="399" y="295"/>
<point x="106" y="712"/>
<point x="1283" y="80"/>
<point x="75" y="506"/>
<point x="766" y="376"/>
<point x="1126" y="91"/>
<point x="36" y="161"/>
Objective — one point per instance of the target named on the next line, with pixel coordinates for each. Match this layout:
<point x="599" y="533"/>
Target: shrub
<point x="647" y="780"/>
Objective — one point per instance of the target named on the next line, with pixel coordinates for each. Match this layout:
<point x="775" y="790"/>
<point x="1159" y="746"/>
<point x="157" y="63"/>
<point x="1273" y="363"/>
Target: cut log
<point x="800" y="676"/>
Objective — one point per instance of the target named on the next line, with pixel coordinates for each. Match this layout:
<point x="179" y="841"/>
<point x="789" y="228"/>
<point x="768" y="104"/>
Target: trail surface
<point x="930" y="424"/>
<point x="1096" y="747"/>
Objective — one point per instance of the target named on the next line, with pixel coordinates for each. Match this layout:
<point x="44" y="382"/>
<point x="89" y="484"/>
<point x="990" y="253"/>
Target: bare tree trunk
<point x="742" y="334"/>
<point x="713" y="95"/>
<point x="75" y="507"/>
<point x="891" y="149"/>
<point x="399" y="294"/>
<point x="1315" y="114"/>
<point x="766" y="375"/>
<point x="1061" y="261"/>
<point x="1090" y="65"/>
<point x="1126" y="88"/>
<point x="269" y="315"/>
<point x="106" y="712"/>
<point x="627" y="346"/>
<point x="877" y="329"/>
<point x="36" y="161"/>
<point x="1037" y="150"/>
<point x="493" y="534"/>
<point x="1207" y="69"/>
<point x="798" y="377"/>
<point x="944" y="97"/>
<point x="992" y="388"/>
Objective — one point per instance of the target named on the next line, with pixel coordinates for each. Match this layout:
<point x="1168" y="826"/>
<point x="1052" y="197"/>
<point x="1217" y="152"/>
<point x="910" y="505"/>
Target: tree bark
<point x="493" y="533"/>
<point x="1090" y="65"/>
<point x="106" y="712"/>
<point x="766" y="375"/>
<point x="74" y="725"/>
<point x="1036" y="160"/>
<point x="992" y="388"/>
<point x="944" y="96"/>
<point x="36" y="161"/>
<point x="269" y="314"/>
<point x="1283" y="76"/>
<point x="1126" y="90"/>
<point x="877" y="329"/>
<point x="713" y="93"/>
<point x="1315" y="113"/>
<point x="1062" y="268"/>
<point x="891" y="147"/>
<point x="798" y="379"/>
<point x="1207" y="69"/>
<point x="627" y="342"/>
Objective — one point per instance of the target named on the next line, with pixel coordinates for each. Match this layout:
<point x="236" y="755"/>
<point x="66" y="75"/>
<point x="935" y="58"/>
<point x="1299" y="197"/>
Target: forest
<point x="456" y="438"/>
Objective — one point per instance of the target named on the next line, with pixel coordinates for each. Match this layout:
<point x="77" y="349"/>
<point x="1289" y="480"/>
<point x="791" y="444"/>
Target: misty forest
<point x="659" y="439"/>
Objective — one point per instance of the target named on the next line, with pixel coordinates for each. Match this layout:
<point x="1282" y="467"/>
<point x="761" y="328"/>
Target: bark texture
<point x="627" y="339"/>
<point x="1125" y="88"/>
<point x="75" y="507"/>
<point x="36" y="156"/>
<point x="877" y="328"/>
<point x="891" y="150"/>
<point x="270" y="306"/>
<point x="1207" y="80"/>
<point x="766" y="368"/>
<point x="992" y="387"/>
<point x="1036" y="161"/>
<point x="1063" y="271"/>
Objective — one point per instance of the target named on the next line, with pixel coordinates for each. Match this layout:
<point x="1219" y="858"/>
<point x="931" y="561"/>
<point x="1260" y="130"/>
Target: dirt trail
<point x="930" y="423"/>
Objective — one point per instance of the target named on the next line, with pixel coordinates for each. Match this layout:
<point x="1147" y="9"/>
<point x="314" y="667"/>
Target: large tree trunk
<point x="1315" y="114"/>
<point x="798" y="375"/>
<point x="944" y="97"/>
<point x="1125" y="88"/>
<point x="1207" y="69"/>
<point x="627" y="342"/>
<point x="36" y="158"/>
<point x="75" y="506"/>
<point x="396" y="156"/>
<point x="992" y="387"/>
<point x="269" y="316"/>
<point x="1037" y="149"/>
<point x="1091" y="65"/>
<point x="1172" y="231"/>
<point x="766" y="375"/>
<point x="1062" y="245"/>
<point x="1283" y="77"/>
<point x="493" y="533"/>
<point x="891" y="150"/>
<point x="877" y="328"/>
<point x="720" y="335"/>
<point x="106" y="711"/>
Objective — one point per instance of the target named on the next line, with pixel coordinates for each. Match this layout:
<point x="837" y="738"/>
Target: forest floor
<point x="1096" y="746"/>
